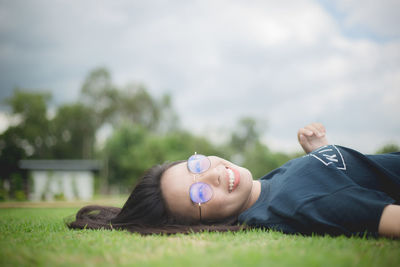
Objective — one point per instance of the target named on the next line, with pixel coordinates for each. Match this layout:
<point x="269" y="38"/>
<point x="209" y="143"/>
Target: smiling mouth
<point x="233" y="177"/>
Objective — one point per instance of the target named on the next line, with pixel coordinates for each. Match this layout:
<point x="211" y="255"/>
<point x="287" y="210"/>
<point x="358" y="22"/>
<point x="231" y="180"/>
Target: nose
<point x="212" y="176"/>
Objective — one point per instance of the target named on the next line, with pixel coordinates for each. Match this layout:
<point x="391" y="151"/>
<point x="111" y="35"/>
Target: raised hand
<point x="312" y="137"/>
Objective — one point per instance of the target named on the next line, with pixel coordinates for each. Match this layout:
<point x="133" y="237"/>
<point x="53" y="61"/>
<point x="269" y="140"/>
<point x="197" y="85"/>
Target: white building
<point x="61" y="179"/>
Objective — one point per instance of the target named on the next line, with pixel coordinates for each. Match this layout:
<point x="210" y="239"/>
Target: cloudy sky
<point x="286" y="63"/>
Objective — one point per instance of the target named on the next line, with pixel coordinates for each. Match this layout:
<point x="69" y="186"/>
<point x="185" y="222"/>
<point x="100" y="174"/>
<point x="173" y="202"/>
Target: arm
<point x="312" y="137"/>
<point x="389" y="225"/>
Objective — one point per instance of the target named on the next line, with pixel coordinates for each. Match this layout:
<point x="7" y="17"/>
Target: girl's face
<point x="226" y="201"/>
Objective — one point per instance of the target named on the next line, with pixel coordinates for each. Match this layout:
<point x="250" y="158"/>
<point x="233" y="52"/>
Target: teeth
<point x="231" y="179"/>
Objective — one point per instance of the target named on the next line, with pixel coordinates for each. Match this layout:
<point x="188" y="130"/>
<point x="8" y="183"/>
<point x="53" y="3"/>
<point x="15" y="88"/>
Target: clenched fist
<point x="312" y="137"/>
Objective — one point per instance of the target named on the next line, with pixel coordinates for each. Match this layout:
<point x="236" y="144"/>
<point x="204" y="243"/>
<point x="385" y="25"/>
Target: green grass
<point x="38" y="237"/>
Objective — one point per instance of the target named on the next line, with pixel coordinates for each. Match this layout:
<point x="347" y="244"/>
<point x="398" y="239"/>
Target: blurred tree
<point x="118" y="106"/>
<point x="137" y="106"/>
<point x="247" y="150"/>
<point x="11" y="151"/>
<point x="28" y="139"/>
<point x="99" y="93"/>
<point x="169" y="119"/>
<point x="388" y="149"/>
<point x="31" y="133"/>
<point x="246" y="134"/>
<point x="74" y="128"/>
<point x="260" y="160"/>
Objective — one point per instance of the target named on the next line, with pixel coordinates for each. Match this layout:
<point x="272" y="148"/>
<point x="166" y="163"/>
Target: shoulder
<point x="389" y="224"/>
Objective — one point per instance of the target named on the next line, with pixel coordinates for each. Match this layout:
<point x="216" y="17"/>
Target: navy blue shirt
<point x="332" y="190"/>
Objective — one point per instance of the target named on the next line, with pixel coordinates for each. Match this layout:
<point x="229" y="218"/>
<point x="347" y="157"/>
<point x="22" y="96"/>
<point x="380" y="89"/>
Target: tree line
<point x="144" y="132"/>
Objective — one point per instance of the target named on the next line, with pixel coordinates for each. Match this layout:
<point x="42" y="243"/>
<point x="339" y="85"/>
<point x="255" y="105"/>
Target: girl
<point x="332" y="190"/>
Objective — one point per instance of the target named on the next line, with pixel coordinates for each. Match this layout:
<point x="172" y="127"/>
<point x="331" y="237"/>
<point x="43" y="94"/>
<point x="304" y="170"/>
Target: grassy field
<point x="38" y="237"/>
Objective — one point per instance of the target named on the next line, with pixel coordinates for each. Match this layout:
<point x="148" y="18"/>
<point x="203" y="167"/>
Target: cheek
<point x="220" y="206"/>
<point x="225" y="205"/>
<point x="246" y="180"/>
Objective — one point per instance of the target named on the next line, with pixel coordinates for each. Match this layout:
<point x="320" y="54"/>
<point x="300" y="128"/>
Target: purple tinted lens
<point x="200" y="192"/>
<point x="198" y="163"/>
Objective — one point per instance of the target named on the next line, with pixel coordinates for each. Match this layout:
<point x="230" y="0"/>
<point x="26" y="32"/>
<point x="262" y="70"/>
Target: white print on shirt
<point x="329" y="155"/>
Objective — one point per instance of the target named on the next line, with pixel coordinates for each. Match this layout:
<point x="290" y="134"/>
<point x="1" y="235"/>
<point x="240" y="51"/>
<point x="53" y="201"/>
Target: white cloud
<point x="381" y="17"/>
<point x="285" y="62"/>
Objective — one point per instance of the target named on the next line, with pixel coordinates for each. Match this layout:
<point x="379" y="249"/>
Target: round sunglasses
<point x="199" y="192"/>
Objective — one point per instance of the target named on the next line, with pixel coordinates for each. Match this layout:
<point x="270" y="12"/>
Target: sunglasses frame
<point x="194" y="180"/>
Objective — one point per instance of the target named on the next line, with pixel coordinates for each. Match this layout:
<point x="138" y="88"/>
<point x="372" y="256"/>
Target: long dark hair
<point x="145" y="212"/>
